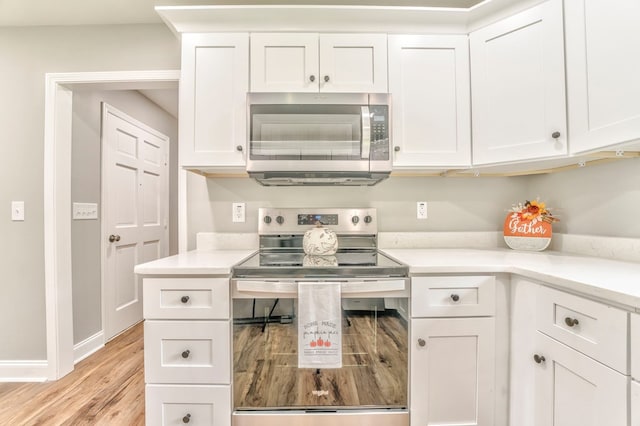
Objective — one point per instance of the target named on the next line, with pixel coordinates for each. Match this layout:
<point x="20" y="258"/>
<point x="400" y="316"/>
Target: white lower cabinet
<point x="572" y="389"/>
<point x="452" y="371"/>
<point x="187" y="351"/>
<point x="193" y="405"/>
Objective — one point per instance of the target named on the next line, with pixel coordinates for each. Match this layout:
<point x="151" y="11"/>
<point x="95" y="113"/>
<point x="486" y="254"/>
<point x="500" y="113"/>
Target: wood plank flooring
<point x="374" y="368"/>
<point x="107" y="388"/>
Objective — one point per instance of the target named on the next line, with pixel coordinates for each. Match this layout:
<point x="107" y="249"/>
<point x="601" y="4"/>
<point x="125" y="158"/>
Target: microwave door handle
<point x="366" y="133"/>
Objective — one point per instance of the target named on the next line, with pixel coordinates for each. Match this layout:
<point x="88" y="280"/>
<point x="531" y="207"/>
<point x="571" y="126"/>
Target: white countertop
<point x="610" y="280"/>
<point x="197" y="262"/>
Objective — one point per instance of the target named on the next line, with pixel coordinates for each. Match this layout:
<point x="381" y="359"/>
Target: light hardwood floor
<point x="107" y="388"/>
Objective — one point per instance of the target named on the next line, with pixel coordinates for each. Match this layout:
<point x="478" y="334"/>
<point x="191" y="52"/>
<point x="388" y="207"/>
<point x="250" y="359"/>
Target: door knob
<point x="113" y="238"/>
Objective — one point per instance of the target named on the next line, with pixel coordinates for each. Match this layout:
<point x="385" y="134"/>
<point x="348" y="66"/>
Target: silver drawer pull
<point x="455" y="297"/>
<point x="186" y="354"/>
<point x="421" y="342"/>
<point x="186" y="419"/>
<point x="571" y="321"/>
<point x="184" y="299"/>
<point x="539" y="359"/>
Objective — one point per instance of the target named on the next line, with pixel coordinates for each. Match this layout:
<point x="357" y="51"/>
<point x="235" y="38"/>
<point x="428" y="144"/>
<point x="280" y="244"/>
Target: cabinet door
<point x="452" y="371"/>
<point x="603" y="66"/>
<point x="429" y="82"/>
<point x="574" y="390"/>
<point x="635" y="346"/>
<point x="635" y="403"/>
<point x="213" y="91"/>
<point x="518" y="90"/>
<point x="353" y="63"/>
<point x="286" y="62"/>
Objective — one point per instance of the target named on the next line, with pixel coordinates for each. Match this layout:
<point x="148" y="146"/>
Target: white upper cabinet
<point x="518" y="87"/>
<point x="429" y="83"/>
<point x="311" y="62"/>
<point x="213" y="90"/>
<point x="603" y="72"/>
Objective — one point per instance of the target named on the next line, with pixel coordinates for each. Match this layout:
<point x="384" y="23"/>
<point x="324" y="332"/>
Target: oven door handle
<point x="291" y="287"/>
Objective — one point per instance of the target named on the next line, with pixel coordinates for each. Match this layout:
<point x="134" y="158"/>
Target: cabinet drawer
<point x="193" y="405"/>
<point x="453" y="296"/>
<point x="187" y="352"/>
<point x="186" y="298"/>
<point x="593" y="328"/>
<point x="635" y="348"/>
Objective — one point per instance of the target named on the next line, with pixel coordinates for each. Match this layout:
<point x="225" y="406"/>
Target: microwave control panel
<point x="379" y="132"/>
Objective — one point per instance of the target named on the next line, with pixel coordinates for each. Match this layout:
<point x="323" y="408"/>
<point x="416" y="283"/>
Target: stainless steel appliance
<point x="319" y="139"/>
<point x="371" y="387"/>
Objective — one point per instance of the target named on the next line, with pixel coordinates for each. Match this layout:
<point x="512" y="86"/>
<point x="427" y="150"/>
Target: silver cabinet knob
<point x="184" y="299"/>
<point x="312" y="78"/>
<point x="239" y="148"/>
<point x="186" y="419"/>
<point x="421" y="342"/>
<point x="113" y="238"/>
<point x="186" y="354"/>
<point x="396" y="148"/>
<point x="326" y="78"/>
<point x="539" y="359"/>
<point x="555" y="135"/>
<point x="571" y="321"/>
<point x="455" y="297"/>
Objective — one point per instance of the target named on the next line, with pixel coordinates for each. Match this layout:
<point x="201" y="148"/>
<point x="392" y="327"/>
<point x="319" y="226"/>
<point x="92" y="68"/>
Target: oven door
<point x="374" y="329"/>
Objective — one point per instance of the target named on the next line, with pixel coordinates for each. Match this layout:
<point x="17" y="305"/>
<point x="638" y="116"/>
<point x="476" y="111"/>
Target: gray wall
<point x="599" y="200"/>
<point x="26" y="54"/>
<point x="85" y="188"/>
<point x="454" y="204"/>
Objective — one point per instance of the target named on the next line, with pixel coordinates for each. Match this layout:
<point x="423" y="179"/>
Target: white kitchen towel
<point x="319" y="325"/>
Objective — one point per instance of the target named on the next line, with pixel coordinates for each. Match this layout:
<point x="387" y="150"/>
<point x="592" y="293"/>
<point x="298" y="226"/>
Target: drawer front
<point x="635" y="403"/>
<point x="193" y="405"/>
<point x="593" y="328"/>
<point x="187" y="352"/>
<point x="635" y="348"/>
<point x="186" y="298"/>
<point x="467" y="296"/>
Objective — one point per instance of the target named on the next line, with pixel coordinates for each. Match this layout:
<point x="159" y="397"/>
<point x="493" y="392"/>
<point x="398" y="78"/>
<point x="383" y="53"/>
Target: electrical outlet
<point x="421" y="210"/>
<point x="237" y="212"/>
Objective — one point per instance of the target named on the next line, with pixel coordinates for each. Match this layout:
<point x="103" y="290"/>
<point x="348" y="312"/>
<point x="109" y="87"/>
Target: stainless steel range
<point x="271" y="383"/>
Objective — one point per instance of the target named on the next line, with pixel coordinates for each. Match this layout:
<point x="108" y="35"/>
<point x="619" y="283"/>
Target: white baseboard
<point x="88" y="346"/>
<point x="24" y="371"/>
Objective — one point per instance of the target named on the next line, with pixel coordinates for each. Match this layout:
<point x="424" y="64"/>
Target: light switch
<point x="17" y="210"/>
<point x="85" y="211"/>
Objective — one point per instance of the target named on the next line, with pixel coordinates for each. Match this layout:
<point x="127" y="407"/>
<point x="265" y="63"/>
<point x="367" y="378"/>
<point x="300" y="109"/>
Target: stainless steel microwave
<point x="319" y="139"/>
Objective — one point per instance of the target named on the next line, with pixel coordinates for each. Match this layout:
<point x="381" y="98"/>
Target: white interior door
<point x="135" y="206"/>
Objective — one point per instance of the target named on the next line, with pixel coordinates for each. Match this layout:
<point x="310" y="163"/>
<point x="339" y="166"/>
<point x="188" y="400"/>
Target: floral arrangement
<point x="532" y="211"/>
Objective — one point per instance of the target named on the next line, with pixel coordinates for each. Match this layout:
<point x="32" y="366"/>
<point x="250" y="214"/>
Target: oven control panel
<point x="360" y="221"/>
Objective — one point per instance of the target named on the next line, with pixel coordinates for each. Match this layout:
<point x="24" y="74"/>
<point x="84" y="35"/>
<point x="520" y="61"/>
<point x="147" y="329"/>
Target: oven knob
<point x="267" y="219"/>
<point x="280" y="220"/>
<point x="368" y="219"/>
<point x="355" y="220"/>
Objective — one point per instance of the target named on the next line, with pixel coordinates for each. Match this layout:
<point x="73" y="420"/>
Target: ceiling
<point x="97" y="12"/>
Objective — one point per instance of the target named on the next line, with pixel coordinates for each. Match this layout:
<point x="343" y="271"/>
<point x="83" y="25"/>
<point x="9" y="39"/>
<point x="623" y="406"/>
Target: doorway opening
<point x="58" y="200"/>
